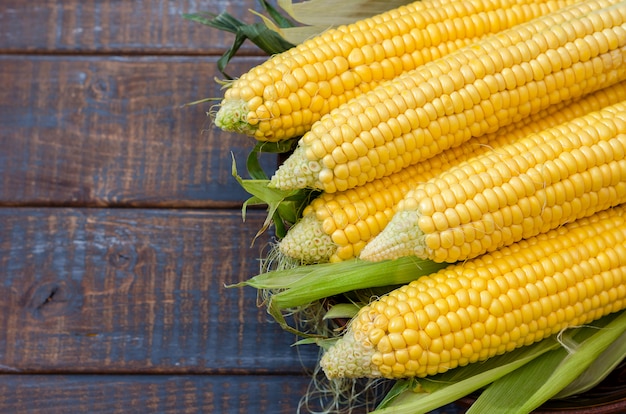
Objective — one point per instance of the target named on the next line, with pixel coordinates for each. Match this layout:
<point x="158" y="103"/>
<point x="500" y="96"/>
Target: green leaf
<point x="284" y="207"/>
<point x="252" y="162"/>
<point x="317" y="16"/>
<point x="306" y="284"/>
<point x="280" y="20"/>
<point x="266" y="39"/>
<point x="598" y="371"/>
<point x="313" y="333"/>
<point x="254" y="166"/>
<point x="327" y="13"/>
<point x="320" y="342"/>
<point x="342" y="310"/>
<point x="539" y="382"/>
<point x="513" y="389"/>
<point x="262" y="194"/>
<point x="399" y="388"/>
<point x="223" y="21"/>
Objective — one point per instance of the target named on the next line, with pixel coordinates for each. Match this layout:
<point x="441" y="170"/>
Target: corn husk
<point x="316" y="16"/>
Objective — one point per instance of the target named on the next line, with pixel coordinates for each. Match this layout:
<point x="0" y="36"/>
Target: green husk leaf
<point x="277" y="279"/>
<point x="282" y="206"/>
<point x="583" y="357"/>
<point x="285" y="28"/>
<point x="279" y="317"/>
<point x="266" y="39"/>
<point x="270" y="24"/>
<point x="342" y="310"/>
<point x="527" y="378"/>
<point x="304" y="322"/>
<point x="294" y="35"/>
<point x="533" y="385"/>
<point x="317" y="16"/>
<point x="399" y="388"/>
<point x="253" y="165"/>
<point x="280" y="20"/>
<point x="310" y="283"/>
<point x="262" y="36"/>
<point x="598" y="371"/>
<point x="223" y="21"/>
<point x="426" y="394"/>
<point x="321" y="342"/>
<point x="328" y="13"/>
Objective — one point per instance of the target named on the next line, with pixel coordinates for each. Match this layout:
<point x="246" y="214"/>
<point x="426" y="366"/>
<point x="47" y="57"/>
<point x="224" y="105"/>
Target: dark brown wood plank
<point x="118" y="26"/>
<point x="151" y="394"/>
<point x="135" y="291"/>
<point x="110" y="131"/>
<point x="70" y="394"/>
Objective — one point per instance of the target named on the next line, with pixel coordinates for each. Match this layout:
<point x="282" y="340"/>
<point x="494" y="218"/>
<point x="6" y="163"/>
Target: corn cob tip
<point x="401" y="237"/>
<point x="307" y="241"/>
<point x="232" y="116"/>
<point x="349" y="358"/>
<point x="297" y="172"/>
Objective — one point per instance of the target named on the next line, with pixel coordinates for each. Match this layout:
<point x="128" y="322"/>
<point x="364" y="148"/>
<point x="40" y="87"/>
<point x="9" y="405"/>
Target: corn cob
<point x="468" y="93"/>
<point x="525" y="188"/>
<point x="284" y="96"/>
<point x="336" y="226"/>
<point x="470" y="312"/>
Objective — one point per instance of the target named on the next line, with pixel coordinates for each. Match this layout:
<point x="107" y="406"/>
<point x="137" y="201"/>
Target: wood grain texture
<point x="135" y="291"/>
<point x="118" y="26"/>
<point x="164" y="394"/>
<point x="71" y="394"/>
<point x="112" y="131"/>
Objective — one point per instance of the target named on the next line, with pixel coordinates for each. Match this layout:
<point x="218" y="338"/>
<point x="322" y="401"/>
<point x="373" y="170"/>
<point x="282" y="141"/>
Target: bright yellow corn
<point x="336" y="226"/>
<point x="284" y="96"/>
<point x="522" y="189"/>
<point x="490" y="305"/>
<point x="468" y="93"/>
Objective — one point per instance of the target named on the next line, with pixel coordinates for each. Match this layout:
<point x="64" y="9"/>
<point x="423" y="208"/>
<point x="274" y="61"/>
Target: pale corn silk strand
<point x="284" y="96"/>
<point x="487" y="306"/>
<point x="529" y="187"/>
<point x="468" y="93"/>
<point x="336" y="226"/>
<point x="342" y="396"/>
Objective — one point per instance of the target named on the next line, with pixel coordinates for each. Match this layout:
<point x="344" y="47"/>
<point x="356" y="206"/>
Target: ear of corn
<point x="468" y="93"/>
<point x="470" y="312"/>
<point x="337" y="226"/>
<point x="284" y="96"/>
<point x="520" y="190"/>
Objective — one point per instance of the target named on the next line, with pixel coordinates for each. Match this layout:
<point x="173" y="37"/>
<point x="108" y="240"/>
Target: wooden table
<point x="120" y="223"/>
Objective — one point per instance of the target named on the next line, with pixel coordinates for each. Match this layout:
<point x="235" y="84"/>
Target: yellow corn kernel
<point x="382" y="195"/>
<point x="572" y="276"/>
<point x="490" y="93"/>
<point x="537" y="201"/>
<point x="351" y="59"/>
